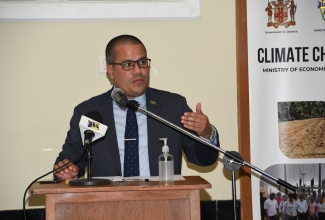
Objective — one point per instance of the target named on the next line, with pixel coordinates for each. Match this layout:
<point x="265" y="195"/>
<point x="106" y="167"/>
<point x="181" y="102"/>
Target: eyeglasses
<point x="129" y="65"/>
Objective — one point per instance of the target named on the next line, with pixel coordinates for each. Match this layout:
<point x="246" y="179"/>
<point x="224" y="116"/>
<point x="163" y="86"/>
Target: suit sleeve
<point x="72" y="149"/>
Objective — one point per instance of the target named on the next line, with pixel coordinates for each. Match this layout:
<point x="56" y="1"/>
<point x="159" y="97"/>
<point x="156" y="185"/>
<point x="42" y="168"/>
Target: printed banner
<point x="286" y="59"/>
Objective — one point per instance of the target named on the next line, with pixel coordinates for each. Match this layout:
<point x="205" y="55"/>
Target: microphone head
<point x="115" y="92"/>
<point x="96" y="116"/>
<point x="119" y="97"/>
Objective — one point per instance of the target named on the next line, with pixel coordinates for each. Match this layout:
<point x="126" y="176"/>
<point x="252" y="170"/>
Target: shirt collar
<point x="141" y="100"/>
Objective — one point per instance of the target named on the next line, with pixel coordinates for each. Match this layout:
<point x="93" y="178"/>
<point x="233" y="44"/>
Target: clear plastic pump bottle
<point x="166" y="164"/>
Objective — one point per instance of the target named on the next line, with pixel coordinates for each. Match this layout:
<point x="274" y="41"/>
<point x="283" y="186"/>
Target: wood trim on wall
<point x="243" y="109"/>
<point x="99" y="10"/>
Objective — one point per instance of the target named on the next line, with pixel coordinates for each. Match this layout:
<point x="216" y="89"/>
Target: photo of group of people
<point x="293" y="206"/>
<point x="307" y="203"/>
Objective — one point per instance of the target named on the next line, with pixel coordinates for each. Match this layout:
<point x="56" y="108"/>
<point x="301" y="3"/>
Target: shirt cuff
<point x="212" y="139"/>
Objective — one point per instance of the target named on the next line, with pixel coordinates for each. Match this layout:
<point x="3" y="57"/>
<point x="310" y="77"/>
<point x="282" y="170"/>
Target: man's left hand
<point x="198" y="122"/>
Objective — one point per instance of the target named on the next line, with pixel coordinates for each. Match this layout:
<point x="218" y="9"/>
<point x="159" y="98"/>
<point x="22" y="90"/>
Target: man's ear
<point x="109" y="74"/>
<point x="109" y="70"/>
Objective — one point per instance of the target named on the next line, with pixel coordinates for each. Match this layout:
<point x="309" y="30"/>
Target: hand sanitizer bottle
<point x="166" y="164"/>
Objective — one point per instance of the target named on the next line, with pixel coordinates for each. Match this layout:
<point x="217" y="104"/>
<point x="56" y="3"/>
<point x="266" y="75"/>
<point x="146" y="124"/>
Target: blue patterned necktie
<point x="131" y="151"/>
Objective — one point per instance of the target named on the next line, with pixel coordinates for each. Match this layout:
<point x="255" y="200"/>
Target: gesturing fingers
<point x="197" y="121"/>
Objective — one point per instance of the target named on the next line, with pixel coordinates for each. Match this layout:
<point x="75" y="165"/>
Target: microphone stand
<point x="89" y="181"/>
<point x="232" y="160"/>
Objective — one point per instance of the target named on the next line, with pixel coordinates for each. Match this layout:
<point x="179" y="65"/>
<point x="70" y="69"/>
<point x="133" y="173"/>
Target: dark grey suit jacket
<point x="106" y="159"/>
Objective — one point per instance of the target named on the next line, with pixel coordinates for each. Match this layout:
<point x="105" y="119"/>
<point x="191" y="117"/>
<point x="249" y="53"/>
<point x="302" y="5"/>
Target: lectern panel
<point x="179" y="200"/>
<point x="178" y="209"/>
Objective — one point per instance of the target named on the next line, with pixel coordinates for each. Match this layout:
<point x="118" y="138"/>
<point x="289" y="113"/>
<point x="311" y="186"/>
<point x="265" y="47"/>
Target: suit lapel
<point x="153" y="106"/>
<point x="106" y="109"/>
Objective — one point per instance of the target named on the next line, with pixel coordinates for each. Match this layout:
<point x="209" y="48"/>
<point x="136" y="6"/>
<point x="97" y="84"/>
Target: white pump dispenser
<point x="166" y="164"/>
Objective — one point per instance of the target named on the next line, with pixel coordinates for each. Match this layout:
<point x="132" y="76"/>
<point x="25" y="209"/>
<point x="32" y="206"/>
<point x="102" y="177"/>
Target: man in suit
<point x="128" y="68"/>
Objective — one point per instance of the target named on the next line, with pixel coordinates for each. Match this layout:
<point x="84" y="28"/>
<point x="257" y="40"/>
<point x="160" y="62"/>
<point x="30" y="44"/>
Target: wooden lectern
<point x="124" y="200"/>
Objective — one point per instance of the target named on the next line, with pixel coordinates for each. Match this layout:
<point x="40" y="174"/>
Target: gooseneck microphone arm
<point x="232" y="157"/>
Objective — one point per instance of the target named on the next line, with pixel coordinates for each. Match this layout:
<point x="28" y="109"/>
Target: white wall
<point x="48" y="67"/>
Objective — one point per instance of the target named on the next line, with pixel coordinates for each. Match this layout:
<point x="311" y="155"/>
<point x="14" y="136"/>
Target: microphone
<point x="91" y="128"/>
<point x="119" y="97"/>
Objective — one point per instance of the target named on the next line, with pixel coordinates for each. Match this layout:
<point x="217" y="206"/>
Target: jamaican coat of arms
<point x="281" y="13"/>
